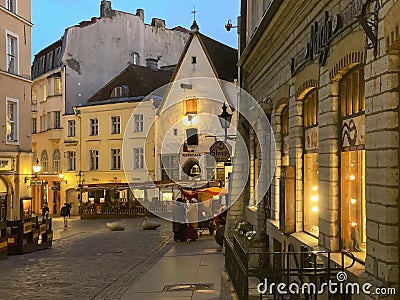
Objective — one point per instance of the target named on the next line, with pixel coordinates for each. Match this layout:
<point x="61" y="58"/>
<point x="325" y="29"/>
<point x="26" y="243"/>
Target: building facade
<point x="329" y="72"/>
<point x="65" y="75"/>
<point x="15" y="80"/>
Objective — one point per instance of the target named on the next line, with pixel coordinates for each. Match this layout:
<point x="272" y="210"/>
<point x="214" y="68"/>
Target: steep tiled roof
<point x="141" y="81"/>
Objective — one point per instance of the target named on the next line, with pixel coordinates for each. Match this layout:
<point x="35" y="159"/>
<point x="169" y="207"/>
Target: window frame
<point x="57" y="86"/>
<point x="34" y="125"/>
<point x="44" y="161"/>
<point x="138" y="124"/>
<point x="56" y="161"/>
<point x="93" y="160"/>
<point x="71" y="125"/>
<point x="9" y="4"/>
<point x="15" y="37"/>
<point x="14" y="122"/>
<point x="94" y="127"/>
<point x="138" y="158"/>
<point x="115" y="154"/>
<point x="57" y="119"/>
<point x="71" y="160"/>
<point x="115" y="124"/>
<point x="192" y="139"/>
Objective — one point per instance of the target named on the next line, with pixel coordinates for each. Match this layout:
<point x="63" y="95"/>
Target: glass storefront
<point x="311" y="208"/>
<point x="353" y="200"/>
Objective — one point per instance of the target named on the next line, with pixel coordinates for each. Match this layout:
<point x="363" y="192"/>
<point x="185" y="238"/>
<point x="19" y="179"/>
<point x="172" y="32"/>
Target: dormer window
<point x="120" y="91"/>
<point x="191" y="107"/>
<point x="194" y="60"/>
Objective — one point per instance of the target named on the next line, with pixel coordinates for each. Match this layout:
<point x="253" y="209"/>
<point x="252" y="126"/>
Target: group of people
<point x="186" y="216"/>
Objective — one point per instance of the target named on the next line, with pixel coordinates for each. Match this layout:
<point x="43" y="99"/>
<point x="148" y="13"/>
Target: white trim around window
<point x="16" y="36"/>
<point x="13" y="119"/>
<point x="14" y="3"/>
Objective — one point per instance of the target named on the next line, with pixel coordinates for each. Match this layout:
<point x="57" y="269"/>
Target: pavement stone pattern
<point x="87" y="261"/>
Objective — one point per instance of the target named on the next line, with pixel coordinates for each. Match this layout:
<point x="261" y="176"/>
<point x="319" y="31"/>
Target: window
<point x="191" y="135"/>
<point x="71" y="128"/>
<point x="11" y="5"/>
<point x="120" y="91"/>
<point x="115" y="159"/>
<point x="94" y="160"/>
<point x="12" y="55"/>
<point x="44" y="92"/>
<point x="43" y="123"/>
<point x="135" y="58"/>
<point x="49" y="123"/>
<point x="352" y="161"/>
<point x="194" y="60"/>
<point x="49" y="61"/>
<point x="71" y="160"/>
<point x="191" y="107"/>
<point x="94" y="126"/>
<point x="57" y="86"/>
<point x="44" y="161"/>
<point x="57" y="119"/>
<point x="56" y="161"/>
<point x="138" y="119"/>
<point x="310" y="112"/>
<point x="285" y="135"/>
<point x="138" y="158"/>
<point x="34" y="97"/>
<point x="115" y="125"/>
<point x="12" y="121"/>
<point x="57" y="57"/>
<point x="170" y="167"/>
<point x="41" y="65"/>
<point x="34" y="125"/>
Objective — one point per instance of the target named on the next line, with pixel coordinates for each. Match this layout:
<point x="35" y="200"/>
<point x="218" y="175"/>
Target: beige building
<point x="327" y="73"/>
<point x="15" y="134"/>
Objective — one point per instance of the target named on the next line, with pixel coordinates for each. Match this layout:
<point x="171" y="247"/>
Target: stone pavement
<point x="87" y="261"/>
<point x="183" y="266"/>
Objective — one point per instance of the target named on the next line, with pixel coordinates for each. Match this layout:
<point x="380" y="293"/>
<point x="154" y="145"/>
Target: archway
<point x="191" y="168"/>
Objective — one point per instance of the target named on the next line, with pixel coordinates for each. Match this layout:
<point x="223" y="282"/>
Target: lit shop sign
<point x="322" y="32"/>
<point x="353" y="133"/>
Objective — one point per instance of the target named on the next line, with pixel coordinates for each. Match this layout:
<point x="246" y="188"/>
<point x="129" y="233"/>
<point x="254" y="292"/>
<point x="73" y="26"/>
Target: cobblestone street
<point x="87" y="261"/>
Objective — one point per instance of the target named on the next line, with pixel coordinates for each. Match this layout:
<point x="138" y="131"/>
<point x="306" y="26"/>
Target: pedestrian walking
<point x="69" y="206"/>
<point x="45" y="213"/>
<point x="64" y="213"/>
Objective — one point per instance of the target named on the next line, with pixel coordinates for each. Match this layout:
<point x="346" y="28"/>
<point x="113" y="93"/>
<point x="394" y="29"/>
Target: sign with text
<point x="221" y="151"/>
<point x="5" y="164"/>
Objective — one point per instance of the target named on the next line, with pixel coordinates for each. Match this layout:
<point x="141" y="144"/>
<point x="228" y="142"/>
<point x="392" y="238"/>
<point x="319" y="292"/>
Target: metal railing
<point x="281" y="267"/>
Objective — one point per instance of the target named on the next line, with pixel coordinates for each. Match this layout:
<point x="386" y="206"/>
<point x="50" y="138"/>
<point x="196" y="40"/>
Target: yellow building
<point x="15" y="135"/>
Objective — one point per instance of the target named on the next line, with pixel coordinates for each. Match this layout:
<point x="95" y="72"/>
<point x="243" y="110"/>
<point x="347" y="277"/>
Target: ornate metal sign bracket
<point x="369" y="22"/>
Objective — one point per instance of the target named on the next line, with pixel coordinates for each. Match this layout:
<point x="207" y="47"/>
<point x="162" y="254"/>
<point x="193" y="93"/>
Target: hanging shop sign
<point x="221" y="151"/>
<point x="353" y="133"/>
<point x="321" y="34"/>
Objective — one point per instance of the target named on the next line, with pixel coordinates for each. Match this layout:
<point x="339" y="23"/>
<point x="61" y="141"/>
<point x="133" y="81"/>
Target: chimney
<point x="105" y="9"/>
<point x="140" y="13"/>
<point x="152" y="63"/>
<point x="158" y="23"/>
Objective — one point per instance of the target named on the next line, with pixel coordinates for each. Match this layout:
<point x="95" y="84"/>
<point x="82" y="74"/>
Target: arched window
<point x="120" y="91"/>
<point x="310" y="123"/>
<point x="56" y="161"/>
<point x="352" y="160"/>
<point x="44" y="161"/>
<point x="285" y="135"/>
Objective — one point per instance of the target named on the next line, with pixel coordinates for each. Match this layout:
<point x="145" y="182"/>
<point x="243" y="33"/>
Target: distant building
<point x="68" y="72"/>
<point x="15" y="136"/>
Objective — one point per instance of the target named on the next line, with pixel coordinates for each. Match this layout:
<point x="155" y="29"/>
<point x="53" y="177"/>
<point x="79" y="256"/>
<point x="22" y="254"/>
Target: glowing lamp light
<point x="352" y="177"/>
<point x="61" y="176"/>
<point x="314" y="209"/>
<point x="314" y="198"/>
<point x="36" y="167"/>
<point x="315" y="188"/>
<point x="353" y="224"/>
<point x="353" y="201"/>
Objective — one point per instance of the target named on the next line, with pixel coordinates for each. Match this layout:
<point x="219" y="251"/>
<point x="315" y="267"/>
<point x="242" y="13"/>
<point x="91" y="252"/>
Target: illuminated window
<point x="71" y="160"/>
<point x="93" y="160"/>
<point x="353" y="203"/>
<point x="56" y="161"/>
<point x="12" y="121"/>
<point x="12" y="55"/>
<point x="57" y="86"/>
<point x="166" y="196"/>
<point x="191" y="107"/>
<point x="310" y="113"/>
<point x="44" y="161"/>
<point x="115" y="159"/>
<point x="285" y="136"/>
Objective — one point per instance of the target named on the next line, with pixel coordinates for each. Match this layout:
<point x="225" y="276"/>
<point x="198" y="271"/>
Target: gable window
<point x="71" y="160"/>
<point x="138" y="158"/>
<point x="194" y="60"/>
<point x="138" y="123"/>
<point x="115" y="159"/>
<point x="12" y="120"/>
<point x="11" y="5"/>
<point x="310" y="120"/>
<point x="94" y="160"/>
<point x="12" y="55"/>
<point x="56" y="161"/>
<point x="191" y="107"/>
<point x="94" y="126"/>
<point x="120" y="91"/>
<point x="352" y="160"/>
<point x="116" y="125"/>
<point x="44" y="161"/>
<point x="191" y="136"/>
<point x="71" y="128"/>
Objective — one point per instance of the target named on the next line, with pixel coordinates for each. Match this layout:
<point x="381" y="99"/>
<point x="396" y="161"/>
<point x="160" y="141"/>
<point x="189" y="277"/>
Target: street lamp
<point x="36" y="169"/>
<point x="225" y="120"/>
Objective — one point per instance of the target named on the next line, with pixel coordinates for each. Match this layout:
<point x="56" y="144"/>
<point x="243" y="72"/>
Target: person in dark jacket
<point x="179" y="220"/>
<point x="64" y="213"/>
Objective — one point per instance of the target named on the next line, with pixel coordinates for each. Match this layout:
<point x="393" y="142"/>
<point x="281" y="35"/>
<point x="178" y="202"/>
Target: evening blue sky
<point x="52" y="17"/>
